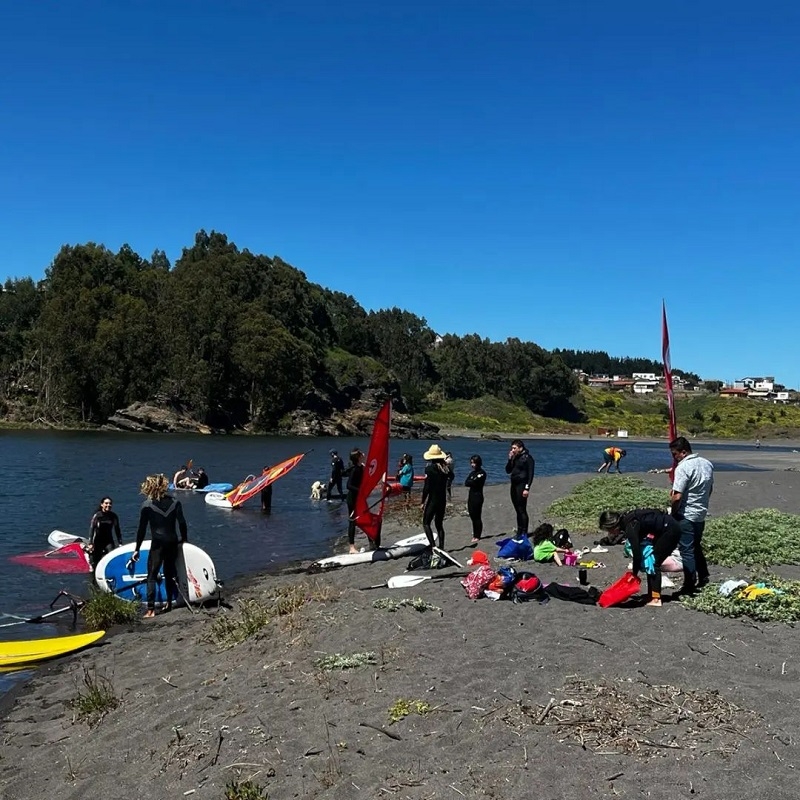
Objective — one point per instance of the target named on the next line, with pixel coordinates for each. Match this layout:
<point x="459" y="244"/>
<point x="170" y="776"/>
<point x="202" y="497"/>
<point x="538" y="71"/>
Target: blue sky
<point x="548" y="171"/>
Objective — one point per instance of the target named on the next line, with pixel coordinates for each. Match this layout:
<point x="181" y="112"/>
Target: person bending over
<point x="652" y="535"/>
<point x="164" y="515"/>
<point x="611" y="458"/>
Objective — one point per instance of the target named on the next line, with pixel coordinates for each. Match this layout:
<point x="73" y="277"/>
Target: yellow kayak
<point x="27" y="651"/>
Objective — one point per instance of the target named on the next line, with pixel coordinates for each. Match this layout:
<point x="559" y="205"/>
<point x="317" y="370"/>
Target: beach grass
<point x="245" y="790"/>
<point x="95" y="699"/>
<point x="104" y="610"/>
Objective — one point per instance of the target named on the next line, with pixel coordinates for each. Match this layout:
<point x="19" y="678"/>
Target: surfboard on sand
<point x="366" y="557"/>
<point x="197" y="576"/>
<point x="27" y="651"/>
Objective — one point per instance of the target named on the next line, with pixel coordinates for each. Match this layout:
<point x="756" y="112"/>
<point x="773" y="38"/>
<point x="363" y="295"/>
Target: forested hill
<point x="235" y="339"/>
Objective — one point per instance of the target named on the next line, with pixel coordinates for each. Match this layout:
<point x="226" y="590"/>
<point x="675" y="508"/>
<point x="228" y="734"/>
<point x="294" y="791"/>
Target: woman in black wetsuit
<point x="102" y="528"/>
<point x="162" y="513"/>
<point x="475" y="481"/>
<point x="434" y="494"/>
<point x="354" y="472"/>
<point x="652" y="534"/>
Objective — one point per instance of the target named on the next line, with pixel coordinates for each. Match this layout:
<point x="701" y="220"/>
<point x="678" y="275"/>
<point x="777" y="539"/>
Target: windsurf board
<point x="197" y="577"/>
<point x="218" y="500"/>
<point x="366" y="557"/>
<point x="60" y="538"/>
<point x="27" y="651"/>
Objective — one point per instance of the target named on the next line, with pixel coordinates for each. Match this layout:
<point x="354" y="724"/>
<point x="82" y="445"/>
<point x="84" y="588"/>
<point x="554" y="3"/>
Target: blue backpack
<point x="519" y="548"/>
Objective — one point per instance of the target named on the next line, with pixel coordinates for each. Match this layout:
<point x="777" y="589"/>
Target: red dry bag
<point x="625" y="588"/>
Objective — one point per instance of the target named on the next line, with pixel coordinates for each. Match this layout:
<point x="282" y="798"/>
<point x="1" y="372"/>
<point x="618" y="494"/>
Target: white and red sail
<point x="247" y="489"/>
<point x="368" y="516"/>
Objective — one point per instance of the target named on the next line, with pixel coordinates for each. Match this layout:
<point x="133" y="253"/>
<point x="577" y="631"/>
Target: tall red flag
<point x="673" y="425"/>
<point x="375" y="470"/>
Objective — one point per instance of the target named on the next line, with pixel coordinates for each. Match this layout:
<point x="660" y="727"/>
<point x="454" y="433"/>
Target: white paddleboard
<point x="197" y="576"/>
<point x="367" y="557"/>
<point x="218" y="500"/>
<point x="58" y="539"/>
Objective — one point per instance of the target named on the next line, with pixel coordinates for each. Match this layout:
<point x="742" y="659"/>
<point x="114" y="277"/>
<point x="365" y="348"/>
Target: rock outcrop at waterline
<point x="316" y="419"/>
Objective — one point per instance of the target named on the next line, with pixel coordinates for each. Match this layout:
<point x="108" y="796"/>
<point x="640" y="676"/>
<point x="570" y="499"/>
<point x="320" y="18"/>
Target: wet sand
<point x="514" y="694"/>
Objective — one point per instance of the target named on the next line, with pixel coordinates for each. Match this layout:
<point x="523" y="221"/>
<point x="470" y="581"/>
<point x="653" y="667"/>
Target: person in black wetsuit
<point x="355" y="474"/>
<point x="103" y="527"/>
<point x="337" y="471"/>
<point x="520" y="469"/>
<point x="652" y="534"/>
<point x="163" y="514"/>
<point x="475" y="481"/>
<point x="201" y="481"/>
<point x="266" y="496"/>
<point x="434" y="494"/>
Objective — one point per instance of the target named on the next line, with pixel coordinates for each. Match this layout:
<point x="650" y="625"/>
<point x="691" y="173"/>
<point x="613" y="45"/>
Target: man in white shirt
<point x="691" y="489"/>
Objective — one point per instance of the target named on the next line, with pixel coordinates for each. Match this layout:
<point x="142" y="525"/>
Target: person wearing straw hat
<point x="434" y="494"/>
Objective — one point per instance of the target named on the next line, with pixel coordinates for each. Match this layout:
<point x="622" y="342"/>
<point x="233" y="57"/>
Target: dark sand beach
<point x="543" y="701"/>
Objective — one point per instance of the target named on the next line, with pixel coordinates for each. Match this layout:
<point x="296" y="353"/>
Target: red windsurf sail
<point x="673" y="425"/>
<point x="68" y="559"/>
<point x="369" y="517"/>
<point x="244" y="491"/>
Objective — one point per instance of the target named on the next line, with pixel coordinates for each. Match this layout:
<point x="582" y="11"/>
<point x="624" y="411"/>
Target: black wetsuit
<point x="355" y="474"/>
<point x="202" y="481"/>
<point x="337" y="471"/>
<point x="266" y="499"/>
<point x="103" y="527"/>
<point x="163" y="516"/>
<point x="520" y="470"/>
<point x="475" y="481"/>
<point x="648" y="526"/>
<point x="434" y="500"/>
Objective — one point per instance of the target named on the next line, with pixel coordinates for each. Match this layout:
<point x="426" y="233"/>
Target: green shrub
<point x="104" y="610"/>
<point x="783" y="606"/>
<point x="340" y="661"/>
<point x="761" y="537"/>
<point x="581" y="509"/>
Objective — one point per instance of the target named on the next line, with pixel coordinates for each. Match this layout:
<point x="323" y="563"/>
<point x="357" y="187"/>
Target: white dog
<point x="316" y="490"/>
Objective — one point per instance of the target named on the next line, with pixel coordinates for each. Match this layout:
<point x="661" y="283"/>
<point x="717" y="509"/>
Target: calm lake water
<point x="55" y="480"/>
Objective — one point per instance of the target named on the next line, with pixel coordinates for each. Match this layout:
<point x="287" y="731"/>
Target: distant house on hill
<point x="757" y="384"/>
<point x="733" y="391"/>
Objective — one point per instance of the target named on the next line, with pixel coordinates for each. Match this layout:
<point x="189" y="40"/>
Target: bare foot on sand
<point x="655" y="602"/>
<point x="150" y="614"/>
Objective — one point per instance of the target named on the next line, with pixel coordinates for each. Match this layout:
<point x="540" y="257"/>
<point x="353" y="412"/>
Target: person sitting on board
<point x="266" y="496"/>
<point x="355" y="473"/>
<point x="102" y="528"/>
<point x="201" y="479"/>
<point x="163" y="514"/>
<point x="652" y="535"/>
<point x="337" y="471"/>
<point x="182" y="479"/>
<point x="434" y="494"/>
<point x="611" y="458"/>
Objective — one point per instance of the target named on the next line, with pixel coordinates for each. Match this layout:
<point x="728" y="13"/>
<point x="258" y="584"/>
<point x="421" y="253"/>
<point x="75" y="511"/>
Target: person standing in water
<point x="103" y="527"/>
<point x="434" y="494"/>
<point x="164" y="515"/>
<point x="266" y="496"/>
<point x="475" y="482"/>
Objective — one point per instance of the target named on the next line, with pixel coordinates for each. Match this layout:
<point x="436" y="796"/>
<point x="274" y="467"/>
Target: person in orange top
<point x="611" y="458"/>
